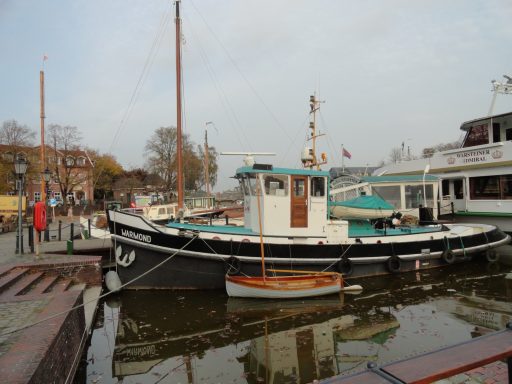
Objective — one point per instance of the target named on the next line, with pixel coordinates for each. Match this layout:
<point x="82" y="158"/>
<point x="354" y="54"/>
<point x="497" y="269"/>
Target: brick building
<point x="71" y="169"/>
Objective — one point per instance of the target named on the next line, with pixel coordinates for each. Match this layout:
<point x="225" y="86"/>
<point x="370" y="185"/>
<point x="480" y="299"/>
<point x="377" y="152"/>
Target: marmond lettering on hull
<point x="136" y="236"/>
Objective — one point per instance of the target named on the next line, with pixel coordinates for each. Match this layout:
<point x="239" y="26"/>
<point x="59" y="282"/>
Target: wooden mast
<point x="206" y="166"/>
<point x="179" y="140"/>
<point x="314" y="107"/>
<point x="42" y="157"/>
<point x="262" y="246"/>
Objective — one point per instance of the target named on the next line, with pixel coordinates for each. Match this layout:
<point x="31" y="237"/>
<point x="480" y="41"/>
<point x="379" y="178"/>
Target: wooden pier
<point x="439" y="364"/>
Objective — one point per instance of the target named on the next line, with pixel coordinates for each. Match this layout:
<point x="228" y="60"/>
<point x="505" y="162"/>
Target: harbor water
<point x="206" y="337"/>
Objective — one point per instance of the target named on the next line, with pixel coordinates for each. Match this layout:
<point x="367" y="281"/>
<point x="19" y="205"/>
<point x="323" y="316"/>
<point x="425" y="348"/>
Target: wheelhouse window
<point x="248" y="184"/>
<point x="506" y="187"/>
<point x="318" y="186"/>
<point x="491" y="187"/>
<point x="390" y="193"/>
<point x="477" y="135"/>
<point x="276" y="185"/>
<point x="414" y="196"/>
<point x="496" y="132"/>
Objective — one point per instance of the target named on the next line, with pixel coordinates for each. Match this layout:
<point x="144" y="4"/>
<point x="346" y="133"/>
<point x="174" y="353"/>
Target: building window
<point x="477" y="135"/>
<point x="70" y="161"/>
<point x="80" y="161"/>
<point x="37" y="196"/>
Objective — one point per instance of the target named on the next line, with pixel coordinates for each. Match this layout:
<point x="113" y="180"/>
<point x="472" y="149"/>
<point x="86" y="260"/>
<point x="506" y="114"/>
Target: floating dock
<point x="444" y="363"/>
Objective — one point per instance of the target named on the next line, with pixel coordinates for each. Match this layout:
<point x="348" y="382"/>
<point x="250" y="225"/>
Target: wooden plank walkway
<point x="439" y="364"/>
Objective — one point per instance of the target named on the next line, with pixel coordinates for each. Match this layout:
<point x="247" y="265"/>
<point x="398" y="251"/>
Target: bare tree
<point x="429" y="151"/>
<point x="161" y="159"/>
<point x="65" y="141"/>
<point x="18" y="139"/>
<point x="16" y="135"/>
<point x="395" y="155"/>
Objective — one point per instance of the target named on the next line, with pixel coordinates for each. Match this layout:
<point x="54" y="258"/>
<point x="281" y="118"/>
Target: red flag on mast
<point x="345" y="153"/>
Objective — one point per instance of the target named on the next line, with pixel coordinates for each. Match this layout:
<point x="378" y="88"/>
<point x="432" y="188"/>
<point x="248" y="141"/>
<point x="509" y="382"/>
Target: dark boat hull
<point x="149" y="258"/>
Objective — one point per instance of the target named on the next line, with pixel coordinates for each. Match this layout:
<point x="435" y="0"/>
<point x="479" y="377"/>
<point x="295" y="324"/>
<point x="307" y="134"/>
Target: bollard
<point x="89" y="228"/>
<point x="47" y="234"/>
<point x="60" y="230"/>
<point x="31" y="238"/>
<point x="71" y="231"/>
<point x="69" y="247"/>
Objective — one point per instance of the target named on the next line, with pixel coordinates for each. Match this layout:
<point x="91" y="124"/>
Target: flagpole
<point x="342" y="160"/>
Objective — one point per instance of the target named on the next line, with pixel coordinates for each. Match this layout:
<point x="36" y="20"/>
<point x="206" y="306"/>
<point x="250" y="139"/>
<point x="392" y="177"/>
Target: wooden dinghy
<point x="285" y="287"/>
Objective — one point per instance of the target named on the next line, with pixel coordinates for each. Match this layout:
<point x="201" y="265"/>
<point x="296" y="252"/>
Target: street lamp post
<point x="427" y="170"/>
<point x="46" y="176"/>
<point x="20" y="167"/>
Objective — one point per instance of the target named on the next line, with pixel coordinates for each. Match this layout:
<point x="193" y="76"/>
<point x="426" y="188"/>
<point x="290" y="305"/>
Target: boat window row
<point x="413" y="195"/>
<point x="479" y="134"/>
<point x="279" y="185"/>
<point x="497" y="187"/>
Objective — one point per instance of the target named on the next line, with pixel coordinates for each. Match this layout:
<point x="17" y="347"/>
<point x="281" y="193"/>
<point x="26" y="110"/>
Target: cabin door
<point x="453" y="192"/>
<point x="299" y="202"/>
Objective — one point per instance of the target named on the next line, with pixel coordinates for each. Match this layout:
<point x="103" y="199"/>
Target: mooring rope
<point x="99" y="297"/>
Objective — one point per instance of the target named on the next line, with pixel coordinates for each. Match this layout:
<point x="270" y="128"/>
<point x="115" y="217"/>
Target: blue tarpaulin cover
<point x="365" y="202"/>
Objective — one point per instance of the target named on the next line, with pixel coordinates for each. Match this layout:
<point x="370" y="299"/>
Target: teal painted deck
<point x="363" y="228"/>
<point x="357" y="229"/>
<point x="213" y="228"/>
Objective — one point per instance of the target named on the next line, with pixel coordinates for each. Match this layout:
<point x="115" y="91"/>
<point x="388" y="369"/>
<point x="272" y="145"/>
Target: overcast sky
<point x="388" y="71"/>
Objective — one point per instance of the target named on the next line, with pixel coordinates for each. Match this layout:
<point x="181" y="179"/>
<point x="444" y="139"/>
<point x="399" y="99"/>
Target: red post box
<point x="40" y="216"/>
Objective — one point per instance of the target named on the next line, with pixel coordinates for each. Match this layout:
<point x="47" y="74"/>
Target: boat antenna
<point x="179" y="140"/>
<point x="309" y="159"/>
<point x="505" y="88"/>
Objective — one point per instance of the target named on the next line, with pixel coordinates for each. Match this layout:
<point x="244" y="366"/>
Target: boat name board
<point x="136" y="236"/>
<point x="474" y="156"/>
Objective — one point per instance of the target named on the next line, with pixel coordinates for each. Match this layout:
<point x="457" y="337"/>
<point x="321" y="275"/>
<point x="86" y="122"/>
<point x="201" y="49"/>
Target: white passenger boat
<point x="475" y="180"/>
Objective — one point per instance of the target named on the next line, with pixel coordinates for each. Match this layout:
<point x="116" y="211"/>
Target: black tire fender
<point x="448" y="256"/>
<point x="234" y="266"/>
<point x="345" y="266"/>
<point x="394" y="264"/>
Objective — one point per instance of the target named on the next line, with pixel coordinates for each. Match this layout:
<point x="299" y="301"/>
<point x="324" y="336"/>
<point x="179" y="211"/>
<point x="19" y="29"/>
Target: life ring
<point x="234" y="266"/>
<point x="448" y="256"/>
<point x="345" y="266"/>
<point x="393" y="263"/>
<point x="492" y="256"/>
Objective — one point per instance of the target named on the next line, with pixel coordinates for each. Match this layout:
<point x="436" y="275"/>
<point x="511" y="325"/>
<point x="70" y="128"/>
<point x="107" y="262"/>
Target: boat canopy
<point x="365" y="202"/>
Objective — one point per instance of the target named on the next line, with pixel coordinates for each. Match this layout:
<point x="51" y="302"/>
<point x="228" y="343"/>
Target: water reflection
<point x="193" y="337"/>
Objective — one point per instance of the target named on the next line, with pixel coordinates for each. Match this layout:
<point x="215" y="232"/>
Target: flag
<point x="45" y="57"/>
<point x="345" y="153"/>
